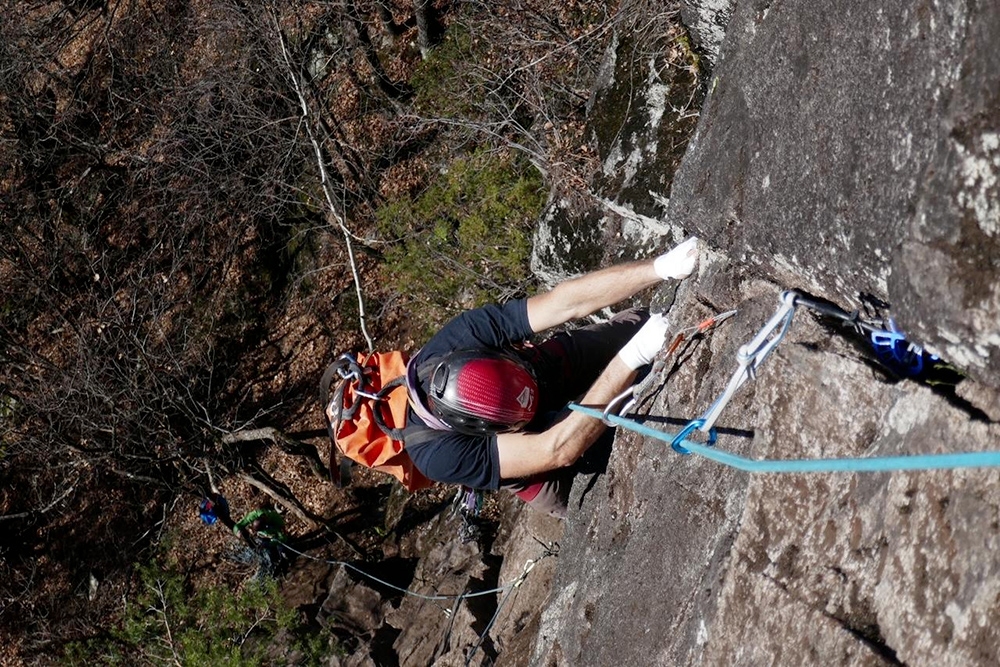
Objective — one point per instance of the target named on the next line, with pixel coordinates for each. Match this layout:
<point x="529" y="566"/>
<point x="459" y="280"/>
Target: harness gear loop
<point x="350" y="371"/>
<point x="346" y="368"/>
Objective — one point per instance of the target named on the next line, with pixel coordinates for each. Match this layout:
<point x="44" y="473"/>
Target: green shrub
<point x="466" y="240"/>
<point x="440" y="88"/>
<point x="167" y="623"/>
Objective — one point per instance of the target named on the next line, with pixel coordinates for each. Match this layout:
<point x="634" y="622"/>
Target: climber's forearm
<point x="586" y="294"/>
<point x="526" y="454"/>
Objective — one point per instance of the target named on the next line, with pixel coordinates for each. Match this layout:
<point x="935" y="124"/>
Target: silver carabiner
<point x="751" y="355"/>
<point x="628" y="394"/>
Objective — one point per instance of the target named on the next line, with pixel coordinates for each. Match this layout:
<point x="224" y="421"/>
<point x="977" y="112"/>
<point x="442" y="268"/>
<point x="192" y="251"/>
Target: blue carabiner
<point x="893" y="350"/>
<point x="686" y="431"/>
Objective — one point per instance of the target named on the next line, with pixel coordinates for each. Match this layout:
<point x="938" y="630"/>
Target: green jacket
<point x="271" y="527"/>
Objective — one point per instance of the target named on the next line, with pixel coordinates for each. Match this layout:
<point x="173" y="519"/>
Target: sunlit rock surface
<point x="848" y="150"/>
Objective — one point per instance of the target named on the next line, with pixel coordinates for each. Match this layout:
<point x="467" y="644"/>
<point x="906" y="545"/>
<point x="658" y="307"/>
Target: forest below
<point x="203" y="202"/>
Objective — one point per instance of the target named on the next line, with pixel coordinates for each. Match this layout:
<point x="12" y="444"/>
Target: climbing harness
<point x="891" y="347"/>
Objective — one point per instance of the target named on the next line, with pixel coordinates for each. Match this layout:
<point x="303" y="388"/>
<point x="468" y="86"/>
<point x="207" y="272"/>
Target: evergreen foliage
<point x="440" y="88"/>
<point x="167" y="622"/>
<point x="466" y="239"/>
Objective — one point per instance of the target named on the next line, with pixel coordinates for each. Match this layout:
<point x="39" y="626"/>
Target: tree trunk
<point x="388" y="20"/>
<point x="393" y="89"/>
<point x="427" y="29"/>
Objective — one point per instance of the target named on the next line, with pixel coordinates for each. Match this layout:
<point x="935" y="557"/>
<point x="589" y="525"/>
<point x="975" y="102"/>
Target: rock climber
<point x="457" y="433"/>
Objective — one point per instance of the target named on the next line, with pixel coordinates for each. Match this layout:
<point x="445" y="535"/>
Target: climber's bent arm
<point x="527" y="454"/>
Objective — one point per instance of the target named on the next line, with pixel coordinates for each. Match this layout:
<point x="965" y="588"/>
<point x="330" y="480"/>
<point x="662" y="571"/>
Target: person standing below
<point x="264" y="524"/>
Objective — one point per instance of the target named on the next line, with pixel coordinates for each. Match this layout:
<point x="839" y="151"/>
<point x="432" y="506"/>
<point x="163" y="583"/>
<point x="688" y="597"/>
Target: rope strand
<point x="528" y="566"/>
<point x="876" y="464"/>
<point x="749" y="359"/>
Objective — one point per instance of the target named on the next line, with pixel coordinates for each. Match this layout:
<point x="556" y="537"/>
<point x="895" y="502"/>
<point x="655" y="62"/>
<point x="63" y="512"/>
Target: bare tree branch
<point x="288" y="444"/>
<point x="325" y="180"/>
<point x="44" y="510"/>
<point x="286" y="500"/>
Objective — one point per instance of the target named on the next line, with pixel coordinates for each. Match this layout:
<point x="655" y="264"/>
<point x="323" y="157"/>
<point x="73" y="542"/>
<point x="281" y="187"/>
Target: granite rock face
<point x="849" y="150"/>
<point x="641" y="133"/>
<point x="707" y="21"/>
<point x="471" y="603"/>
<point x="677" y="560"/>
<point x="854" y="147"/>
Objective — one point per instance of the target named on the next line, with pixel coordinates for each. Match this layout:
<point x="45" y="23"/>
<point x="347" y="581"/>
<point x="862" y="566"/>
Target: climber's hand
<point x="646" y="342"/>
<point x="679" y="263"/>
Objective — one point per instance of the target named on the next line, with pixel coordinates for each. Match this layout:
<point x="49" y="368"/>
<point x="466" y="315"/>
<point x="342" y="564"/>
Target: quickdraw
<point x="700" y="328"/>
<point x="629" y="395"/>
<point x="891" y="347"/>
<point x="749" y="358"/>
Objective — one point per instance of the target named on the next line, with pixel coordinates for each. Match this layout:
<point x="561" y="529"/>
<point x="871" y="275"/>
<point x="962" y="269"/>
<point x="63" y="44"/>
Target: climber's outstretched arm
<point x="582" y="296"/>
<point x="526" y="454"/>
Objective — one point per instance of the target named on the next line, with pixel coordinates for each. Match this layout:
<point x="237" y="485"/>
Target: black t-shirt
<point x="457" y="458"/>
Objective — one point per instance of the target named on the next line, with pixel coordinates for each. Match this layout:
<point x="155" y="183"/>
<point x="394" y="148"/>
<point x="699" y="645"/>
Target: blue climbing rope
<point x="891" y="345"/>
<point x="875" y="464"/>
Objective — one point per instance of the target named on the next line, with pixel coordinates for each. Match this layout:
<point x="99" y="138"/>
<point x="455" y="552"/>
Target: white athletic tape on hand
<point x="679" y="263"/>
<point x="646" y="342"/>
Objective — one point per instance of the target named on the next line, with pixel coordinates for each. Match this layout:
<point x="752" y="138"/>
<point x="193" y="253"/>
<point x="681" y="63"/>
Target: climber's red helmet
<point x="480" y="392"/>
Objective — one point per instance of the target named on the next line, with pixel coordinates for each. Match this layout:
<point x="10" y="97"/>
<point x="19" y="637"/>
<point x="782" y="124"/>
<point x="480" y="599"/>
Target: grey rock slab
<point x="707" y="21"/>
<point x="850" y="148"/>
<point x="674" y="560"/>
